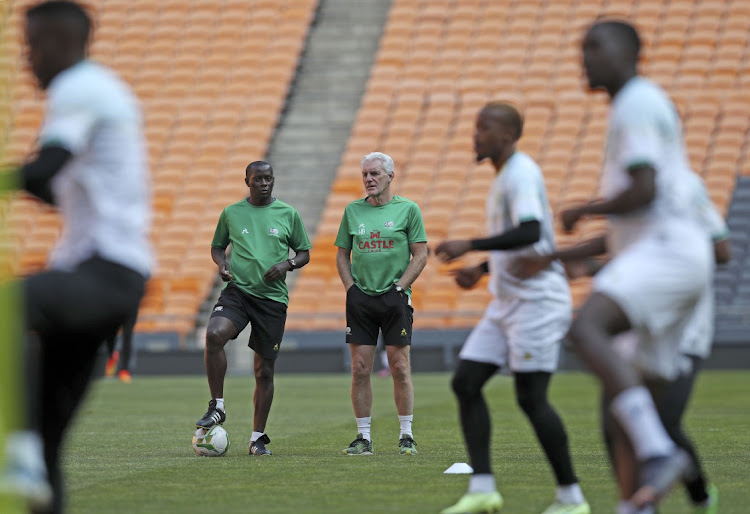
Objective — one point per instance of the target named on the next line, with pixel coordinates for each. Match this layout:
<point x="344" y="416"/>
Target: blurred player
<point x="382" y="249"/>
<point x="695" y="345"/>
<point x="523" y="326"/>
<point x="661" y="264"/>
<point x="92" y="165"/>
<point x="261" y="229"/>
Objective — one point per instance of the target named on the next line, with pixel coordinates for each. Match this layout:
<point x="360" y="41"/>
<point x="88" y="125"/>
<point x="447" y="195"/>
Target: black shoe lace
<point x="407" y="441"/>
<point x="358" y="441"/>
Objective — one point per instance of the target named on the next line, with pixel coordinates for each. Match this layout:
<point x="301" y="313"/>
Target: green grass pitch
<point x="130" y="448"/>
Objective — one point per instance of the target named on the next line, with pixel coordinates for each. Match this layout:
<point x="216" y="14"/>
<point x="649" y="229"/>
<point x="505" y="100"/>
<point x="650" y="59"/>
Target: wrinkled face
<point x="601" y="57"/>
<point x="44" y="53"/>
<point x="490" y="136"/>
<point x="260" y="182"/>
<point x="375" y="179"/>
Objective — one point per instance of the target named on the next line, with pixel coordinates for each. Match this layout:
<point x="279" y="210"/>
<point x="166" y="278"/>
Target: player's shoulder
<point x="96" y="86"/>
<point x="521" y="166"/>
<point x="236" y="206"/>
<point x="400" y="200"/>
<point x="283" y="206"/>
<point x="640" y="94"/>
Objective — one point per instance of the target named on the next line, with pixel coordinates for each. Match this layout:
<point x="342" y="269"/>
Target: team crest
<point x="218" y="308"/>
<point x="362" y="229"/>
<point x="389" y="224"/>
<point x="273" y="231"/>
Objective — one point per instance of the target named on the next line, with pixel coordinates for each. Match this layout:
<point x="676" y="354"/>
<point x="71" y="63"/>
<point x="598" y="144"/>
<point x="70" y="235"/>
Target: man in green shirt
<point x="382" y="249"/>
<point x="261" y="229"/>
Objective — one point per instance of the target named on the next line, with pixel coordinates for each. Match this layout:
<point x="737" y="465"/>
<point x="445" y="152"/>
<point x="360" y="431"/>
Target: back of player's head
<point x="258" y="165"/>
<point x="623" y="32"/>
<point x="385" y="161"/>
<point x="505" y="114"/>
<point x="69" y="17"/>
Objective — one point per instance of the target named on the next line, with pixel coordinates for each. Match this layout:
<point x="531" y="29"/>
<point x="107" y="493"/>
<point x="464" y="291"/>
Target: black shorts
<point x="267" y="318"/>
<point x="366" y="315"/>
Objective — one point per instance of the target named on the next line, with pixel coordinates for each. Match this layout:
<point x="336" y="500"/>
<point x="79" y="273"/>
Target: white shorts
<point x="658" y="282"/>
<point x="521" y="335"/>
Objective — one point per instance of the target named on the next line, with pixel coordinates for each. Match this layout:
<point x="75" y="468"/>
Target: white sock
<point x="635" y="411"/>
<point x="220" y="404"/>
<point x="255" y="436"/>
<point x="363" y="427"/>
<point x="570" y="494"/>
<point x="482" y="483"/>
<point x="405" y="422"/>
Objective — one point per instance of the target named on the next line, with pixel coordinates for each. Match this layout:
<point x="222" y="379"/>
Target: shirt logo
<point x="362" y="229"/>
<point x="389" y="224"/>
<point x="375" y="234"/>
<point x="244" y="231"/>
<point x="273" y="232"/>
<point x="348" y="331"/>
<point x="276" y="347"/>
<point x="403" y="332"/>
<point x="218" y="308"/>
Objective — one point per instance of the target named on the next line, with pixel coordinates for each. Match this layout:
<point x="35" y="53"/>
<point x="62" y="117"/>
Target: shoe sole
<point x="355" y="454"/>
<point x="208" y="426"/>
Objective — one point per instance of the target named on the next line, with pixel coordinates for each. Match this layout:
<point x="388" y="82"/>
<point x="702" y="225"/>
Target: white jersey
<point x="103" y="190"/>
<point x="699" y="332"/>
<point x="518" y="194"/>
<point x="644" y="128"/>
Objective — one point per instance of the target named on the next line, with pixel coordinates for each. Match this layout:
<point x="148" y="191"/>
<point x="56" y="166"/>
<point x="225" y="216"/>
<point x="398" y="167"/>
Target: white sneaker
<point x="25" y="473"/>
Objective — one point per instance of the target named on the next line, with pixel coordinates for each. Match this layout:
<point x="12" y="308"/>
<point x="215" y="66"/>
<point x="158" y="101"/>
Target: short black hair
<point x="64" y="9"/>
<point x="625" y="34"/>
<point x="508" y="114"/>
<point x="257" y="164"/>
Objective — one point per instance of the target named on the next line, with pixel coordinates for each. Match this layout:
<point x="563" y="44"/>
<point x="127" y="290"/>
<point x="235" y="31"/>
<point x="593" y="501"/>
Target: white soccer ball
<point x="211" y="442"/>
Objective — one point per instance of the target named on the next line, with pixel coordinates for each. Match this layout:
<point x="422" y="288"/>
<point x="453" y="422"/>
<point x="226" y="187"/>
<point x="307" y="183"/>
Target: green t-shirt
<point x="260" y="237"/>
<point x="379" y="238"/>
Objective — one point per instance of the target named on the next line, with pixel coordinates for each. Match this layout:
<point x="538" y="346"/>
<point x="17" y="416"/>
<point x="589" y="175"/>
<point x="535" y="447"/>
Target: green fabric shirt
<point x="260" y="237"/>
<point x="379" y="238"/>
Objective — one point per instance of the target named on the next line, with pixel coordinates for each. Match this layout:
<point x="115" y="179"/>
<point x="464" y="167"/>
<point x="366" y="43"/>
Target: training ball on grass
<point x="211" y="442"/>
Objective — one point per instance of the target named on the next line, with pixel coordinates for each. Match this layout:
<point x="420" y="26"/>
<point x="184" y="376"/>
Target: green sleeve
<point x="299" y="240"/>
<point x="344" y="238"/>
<point x="221" y="235"/>
<point x="415" y="227"/>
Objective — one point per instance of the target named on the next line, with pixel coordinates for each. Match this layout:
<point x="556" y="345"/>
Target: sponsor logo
<point x="527" y="356"/>
<point x="244" y="231"/>
<point x="218" y="308"/>
<point x="375" y="244"/>
<point x="274" y="232"/>
<point x="389" y="224"/>
<point x="375" y="234"/>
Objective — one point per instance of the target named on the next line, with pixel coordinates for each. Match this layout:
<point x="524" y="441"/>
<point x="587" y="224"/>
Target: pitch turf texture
<point x="130" y="448"/>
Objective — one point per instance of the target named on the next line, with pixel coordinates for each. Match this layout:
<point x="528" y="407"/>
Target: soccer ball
<point x="211" y="442"/>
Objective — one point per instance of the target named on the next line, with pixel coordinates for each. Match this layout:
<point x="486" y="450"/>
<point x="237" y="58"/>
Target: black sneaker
<point x="213" y="416"/>
<point x="258" y="447"/>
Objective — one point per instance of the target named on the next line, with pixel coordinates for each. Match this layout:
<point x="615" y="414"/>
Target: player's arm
<point x="36" y="176"/>
<point x="525" y="234"/>
<point x="219" y="256"/>
<point x="722" y="251"/>
<point x="280" y="269"/>
<point x="344" y="266"/>
<point x="416" y="264"/>
<point x="528" y="266"/>
<point x="640" y="193"/>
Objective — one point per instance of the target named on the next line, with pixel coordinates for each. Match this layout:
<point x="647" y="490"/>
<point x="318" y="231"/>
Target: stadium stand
<point x="212" y="92"/>
<point x="440" y="61"/>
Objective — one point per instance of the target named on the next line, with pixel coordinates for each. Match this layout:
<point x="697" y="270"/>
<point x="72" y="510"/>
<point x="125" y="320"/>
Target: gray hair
<point x="385" y="161"/>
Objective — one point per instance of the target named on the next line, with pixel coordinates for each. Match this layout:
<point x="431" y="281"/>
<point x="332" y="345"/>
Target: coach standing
<point x="382" y="249"/>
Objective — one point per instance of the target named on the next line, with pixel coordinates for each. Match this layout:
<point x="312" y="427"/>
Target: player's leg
<point x="268" y="319"/>
<point x="114" y="356"/>
<point x="65" y="378"/>
<point x="227" y="320"/>
<point x="467" y="384"/>
<point x="397" y="331"/>
<point x="362" y="336"/>
<point x="531" y="395"/>
<point x="671" y="402"/>
<point x="127" y="347"/>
